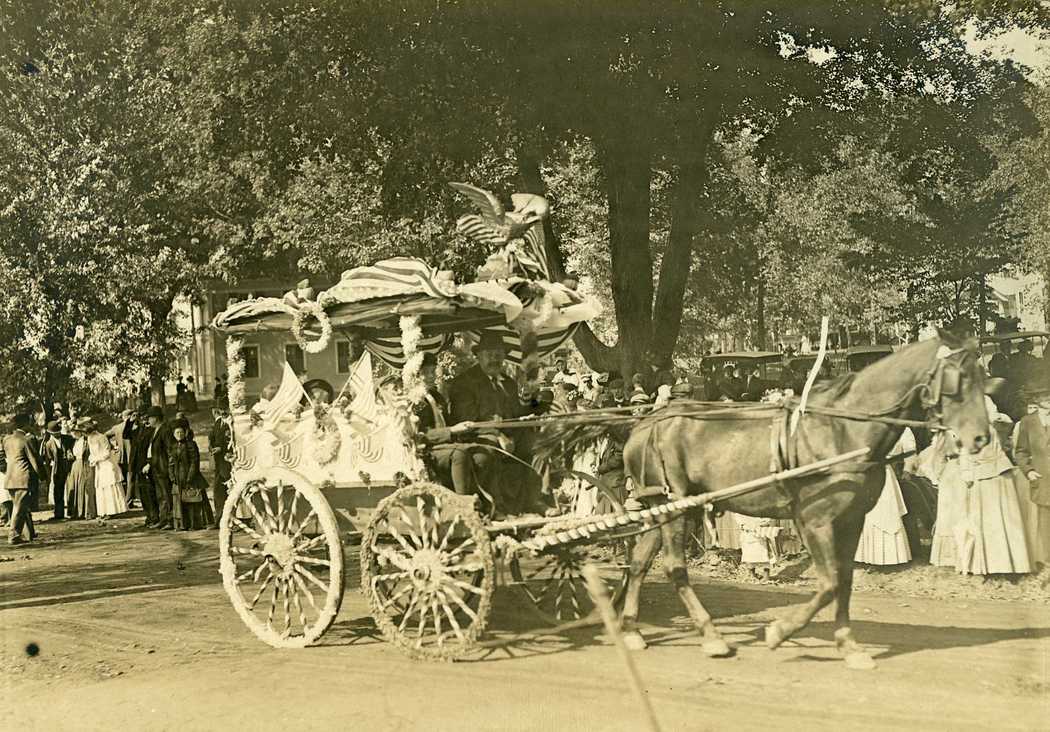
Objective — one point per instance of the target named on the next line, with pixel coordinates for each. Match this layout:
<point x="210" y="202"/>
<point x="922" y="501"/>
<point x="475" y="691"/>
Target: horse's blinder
<point x="945" y="380"/>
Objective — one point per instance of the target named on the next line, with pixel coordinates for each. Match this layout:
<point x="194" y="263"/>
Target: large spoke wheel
<point x="428" y="572"/>
<point x="555" y="587"/>
<point x="281" y="561"/>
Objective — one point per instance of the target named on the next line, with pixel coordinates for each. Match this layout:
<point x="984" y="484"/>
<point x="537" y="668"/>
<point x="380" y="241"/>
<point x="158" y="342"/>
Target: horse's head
<point x="956" y="391"/>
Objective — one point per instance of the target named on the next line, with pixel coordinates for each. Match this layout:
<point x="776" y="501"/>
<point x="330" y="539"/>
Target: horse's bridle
<point x="944" y="379"/>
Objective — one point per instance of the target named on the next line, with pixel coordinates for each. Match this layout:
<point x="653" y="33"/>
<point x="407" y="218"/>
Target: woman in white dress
<point x="884" y="540"/>
<point x="979" y="526"/>
<point x="109" y="491"/>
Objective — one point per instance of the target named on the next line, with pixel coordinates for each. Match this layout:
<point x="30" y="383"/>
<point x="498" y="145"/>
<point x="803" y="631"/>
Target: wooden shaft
<point x="601" y="601"/>
<point x="684" y="504"/>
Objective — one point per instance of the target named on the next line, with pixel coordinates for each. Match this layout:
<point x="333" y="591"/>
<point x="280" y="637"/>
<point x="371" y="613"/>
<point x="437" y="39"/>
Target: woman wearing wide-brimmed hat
<point x="80" y="485"/>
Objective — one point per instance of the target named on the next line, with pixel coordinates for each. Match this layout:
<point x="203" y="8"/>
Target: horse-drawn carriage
<point x="350" y="472"/>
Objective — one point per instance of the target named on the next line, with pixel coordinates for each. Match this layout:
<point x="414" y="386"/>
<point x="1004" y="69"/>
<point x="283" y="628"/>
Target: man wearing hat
<point x="481" y="393"/>
<point x="22" y="474"/>
<point x="56" y="456"/>
<point x="220" y="440"/>
<point x="151" y="462"/>
<point x="1032" y="455"/>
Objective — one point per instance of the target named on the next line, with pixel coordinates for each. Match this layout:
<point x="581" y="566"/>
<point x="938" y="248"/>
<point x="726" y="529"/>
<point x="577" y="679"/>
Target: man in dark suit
<point x="157" y="438"/>
<point x="481" y="393"/>
<point x="56" y="456"/>
<point x="22" y="476"/>
<point x="220" y="440"/>
<point x="1032" y="454"/>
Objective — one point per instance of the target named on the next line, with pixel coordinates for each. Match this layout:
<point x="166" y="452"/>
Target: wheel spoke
<point x="287" y="610"/>
<point x="304" y="524"/>
<point x="310" y="576"/>
<point x="437" y="620"/>
<point x="251" y="552"/>
<point x="448" y="533"/>
<point x="408" y="612"/>
<point x="313" y="560"/>
<point x="466" y="586"/>
<point x="451" y="616"/>
<point x="410" y="527"/>
<point x="280" y="507"/>
<point x="273" y="602"/>
<point x="259" y="519"/>
<point x="461" y="548"/>
<point x="291" y="511"/>
<point x="310" y="544"/>
<point x="462" y="605"/>
<point x="306" y="591"/>
<point x="395" y="597"/>
<point x="262" y="589"/>
<point x="299" y="606"/>
<point x="424" y="609"/>
<point x="392" y="556"/>
<point x="245" y="527"/>
<point x="265" y="493"/>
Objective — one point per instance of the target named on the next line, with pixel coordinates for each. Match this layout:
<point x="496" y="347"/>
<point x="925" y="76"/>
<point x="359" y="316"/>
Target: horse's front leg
<point x="674" y="564"/>
<point x="642" y="556"/>
<point x="848" y="535"/>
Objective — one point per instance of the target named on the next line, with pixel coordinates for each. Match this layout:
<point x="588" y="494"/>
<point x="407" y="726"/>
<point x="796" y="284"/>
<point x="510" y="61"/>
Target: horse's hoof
<point x="774" y="635"/>
<point x="716" y="649"/>
<point x="634" y="641"/>
<point x="860" y="661"/>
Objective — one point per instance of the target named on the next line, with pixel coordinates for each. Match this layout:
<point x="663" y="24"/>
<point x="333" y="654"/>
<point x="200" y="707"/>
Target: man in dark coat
<point x="22" y="474"/>
<point x="481" y="393"/>
<point x="220" y="441"/>
<point x="1032" y="455"/>
<point x="56" y="457"/>
<point x="158" y="438"/>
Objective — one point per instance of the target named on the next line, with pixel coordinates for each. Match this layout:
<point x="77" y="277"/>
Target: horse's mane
<point x="835" y="388"/>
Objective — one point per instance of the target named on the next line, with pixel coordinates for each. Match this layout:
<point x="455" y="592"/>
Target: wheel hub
<point x="280" y="549"/>
<point x="427" y="570"/>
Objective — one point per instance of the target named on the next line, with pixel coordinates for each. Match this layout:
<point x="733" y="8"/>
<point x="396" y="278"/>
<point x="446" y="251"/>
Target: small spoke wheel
<point x="428" y="571"/>
<point x="555" y="586"/>
<point x="281" y="560"/>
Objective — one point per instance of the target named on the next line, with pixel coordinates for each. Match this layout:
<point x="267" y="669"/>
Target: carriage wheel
<point x="427" y="570"/>
<point x="556" y="589"/>
<point x="281" y="561"/>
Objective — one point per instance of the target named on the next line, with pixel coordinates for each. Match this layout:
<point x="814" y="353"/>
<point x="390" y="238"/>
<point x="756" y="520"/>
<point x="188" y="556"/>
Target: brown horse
<point x="686" y="454"/>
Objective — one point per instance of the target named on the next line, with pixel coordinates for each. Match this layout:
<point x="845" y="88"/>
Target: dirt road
<point x="134" y="633"/>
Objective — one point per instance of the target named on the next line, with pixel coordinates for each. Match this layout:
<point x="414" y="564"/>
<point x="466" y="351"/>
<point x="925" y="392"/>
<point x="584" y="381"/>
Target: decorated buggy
<point x="312" y="473"/>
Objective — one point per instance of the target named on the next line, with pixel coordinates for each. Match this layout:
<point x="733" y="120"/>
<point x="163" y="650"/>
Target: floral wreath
<point x="325" y="440"/>
<point x="312" y="310"/>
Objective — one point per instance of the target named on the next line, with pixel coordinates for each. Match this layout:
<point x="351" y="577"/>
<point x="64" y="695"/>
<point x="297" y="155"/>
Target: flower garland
<point x="411" y="379"/>
<point x="325" y="440"/>
<point x="235" y="371"/>
<point x="306" y="311"/>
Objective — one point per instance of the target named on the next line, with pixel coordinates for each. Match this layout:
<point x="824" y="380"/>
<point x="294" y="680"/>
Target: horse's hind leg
<point x="674" y="564"/>
<point x="642" y="556"/>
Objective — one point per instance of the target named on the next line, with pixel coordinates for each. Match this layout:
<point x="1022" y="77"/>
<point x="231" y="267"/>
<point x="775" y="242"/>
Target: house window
<point x="251" y="361"/>
<point x="293" y="354"/>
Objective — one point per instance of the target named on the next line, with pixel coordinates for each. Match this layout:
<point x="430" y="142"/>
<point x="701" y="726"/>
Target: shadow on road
<point x="184" y="561"/>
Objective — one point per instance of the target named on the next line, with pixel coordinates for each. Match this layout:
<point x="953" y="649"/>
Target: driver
<point x="481" y="393"/>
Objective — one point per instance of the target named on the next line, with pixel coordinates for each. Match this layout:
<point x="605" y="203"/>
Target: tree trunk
<point x="627" y="176"/>
<point x="159" y="310"/>
<point x="760" y="315"/>
<point x="678" y="256"/>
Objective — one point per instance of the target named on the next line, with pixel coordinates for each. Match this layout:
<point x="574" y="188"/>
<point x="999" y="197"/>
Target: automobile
<point x="859" y="357"/>
<point x="796" y="370"/>
<point x="760" y="370"/>
<point x="1038" y="338"/>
